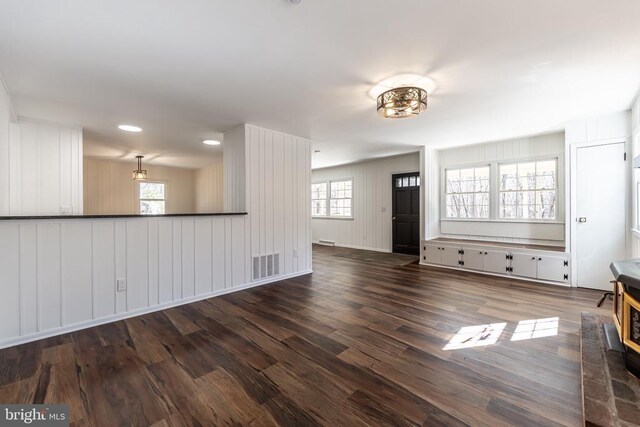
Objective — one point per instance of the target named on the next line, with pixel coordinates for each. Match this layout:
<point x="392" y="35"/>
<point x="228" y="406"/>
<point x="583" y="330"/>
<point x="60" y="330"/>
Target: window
<point x="408" y="181"/>
<point x="319" y="199"/>
<point x="467" y="192"/>
<point x="152" y="196"/>
<point x="332" y="199"/>
<point x="528" y="190"/>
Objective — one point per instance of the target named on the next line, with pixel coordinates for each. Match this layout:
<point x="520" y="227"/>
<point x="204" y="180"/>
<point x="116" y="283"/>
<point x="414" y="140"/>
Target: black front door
<point x="406" y="213"/>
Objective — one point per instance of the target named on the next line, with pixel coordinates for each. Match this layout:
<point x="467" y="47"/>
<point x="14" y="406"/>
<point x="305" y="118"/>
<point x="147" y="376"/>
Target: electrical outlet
<point x="121" y="285"/>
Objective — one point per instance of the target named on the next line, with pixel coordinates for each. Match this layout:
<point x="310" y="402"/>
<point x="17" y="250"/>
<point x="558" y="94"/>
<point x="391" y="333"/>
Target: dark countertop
<point x="38" y="217"/>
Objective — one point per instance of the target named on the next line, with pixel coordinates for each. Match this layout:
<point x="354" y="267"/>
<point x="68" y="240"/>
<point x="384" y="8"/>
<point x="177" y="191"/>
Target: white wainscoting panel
<point x="60" y="275"/>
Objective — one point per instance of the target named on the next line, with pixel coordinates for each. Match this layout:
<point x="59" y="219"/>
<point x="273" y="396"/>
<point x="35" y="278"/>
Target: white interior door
<point x="600" y="213"/>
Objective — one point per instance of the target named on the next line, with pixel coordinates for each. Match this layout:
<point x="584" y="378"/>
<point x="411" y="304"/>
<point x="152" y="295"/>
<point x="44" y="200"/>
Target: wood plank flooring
<point x="356" y="343"/>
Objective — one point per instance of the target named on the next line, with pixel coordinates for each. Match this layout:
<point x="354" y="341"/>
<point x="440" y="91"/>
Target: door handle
<point x="393" y="218"/>
<point x="582" y="219"/>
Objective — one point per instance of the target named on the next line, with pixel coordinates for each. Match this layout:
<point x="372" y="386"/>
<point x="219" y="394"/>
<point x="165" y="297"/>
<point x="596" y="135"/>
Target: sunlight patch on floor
<point x="476" y="336"/>
<point x="535" y="328"/>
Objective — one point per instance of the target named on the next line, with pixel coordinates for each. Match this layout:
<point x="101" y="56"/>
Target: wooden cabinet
<point x="443" y="254"/>
<point x="474" y="259"/>
<point x="543" y="267"/>
<point x="496" y="261"/>
<point x="532" y="264"/>
<point x="524" y="265"/>
<point x="484" y="259"/>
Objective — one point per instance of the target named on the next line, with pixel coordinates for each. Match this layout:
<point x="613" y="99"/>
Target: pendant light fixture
<point x="402" y="102"/>
<point x="139" y="174"/>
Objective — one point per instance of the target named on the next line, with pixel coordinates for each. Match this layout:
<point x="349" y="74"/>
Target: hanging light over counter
<point x="139" y="174"/>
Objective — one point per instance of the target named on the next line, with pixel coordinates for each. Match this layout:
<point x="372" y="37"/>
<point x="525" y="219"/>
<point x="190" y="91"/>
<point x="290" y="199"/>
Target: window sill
<point x="343" y="218"/>
<point x="503" y="221"/>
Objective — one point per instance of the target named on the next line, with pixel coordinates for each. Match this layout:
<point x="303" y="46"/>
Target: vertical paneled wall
<point x="60" y="274"/>
<point x="209" y="188"/>
<point x="45" y="169"/>
<point x="278" y="176"/>
<point x="370" y="227"/>
<point x="5" y="118"/>
<point x="635" y="180"/>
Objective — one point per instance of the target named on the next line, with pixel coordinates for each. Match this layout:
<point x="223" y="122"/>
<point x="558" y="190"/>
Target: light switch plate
<point x="121" y="285"/>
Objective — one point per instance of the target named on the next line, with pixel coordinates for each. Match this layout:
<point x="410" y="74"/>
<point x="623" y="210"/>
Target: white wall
<point x="45" y="169"/>
<point x="635" y="180"/>
<point x="59" y="275"/>
<point x="110" y="190"/>
<point x="234" y="169"/>
<point x="535" y="147"/>
<point x="5" y="119"/>
<point x="370" y="227"/>
<point x="209" y="188"/>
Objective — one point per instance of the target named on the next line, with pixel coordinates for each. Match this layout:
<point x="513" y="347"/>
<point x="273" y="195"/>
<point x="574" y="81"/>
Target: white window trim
<point x="494" y="191"/>
<point x="328" y="199"/>
<point x="557" y="190"/>
<point x="443" y="192"/>
<point x="152" y="181"/>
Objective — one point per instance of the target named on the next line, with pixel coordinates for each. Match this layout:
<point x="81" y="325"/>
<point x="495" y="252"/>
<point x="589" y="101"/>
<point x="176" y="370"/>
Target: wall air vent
<point x="265" y="266"/>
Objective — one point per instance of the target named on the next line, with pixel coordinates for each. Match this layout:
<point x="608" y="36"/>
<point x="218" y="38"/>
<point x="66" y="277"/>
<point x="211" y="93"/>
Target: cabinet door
<point x="496" y="262"/>
<point x="433" y="254"/>
<point x="524" y="265"/>
<point x="450" y="256"/>
<point x="552" y="268"/>
<point x="473" y="259"/>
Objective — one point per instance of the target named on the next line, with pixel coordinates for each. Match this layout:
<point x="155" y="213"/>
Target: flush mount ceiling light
<point x="402" y="102"/>
<point x="211" y="142"/>
<point x="139" y="174"/>
<point x="403" y="95"/>
<point x="130" y="128"/>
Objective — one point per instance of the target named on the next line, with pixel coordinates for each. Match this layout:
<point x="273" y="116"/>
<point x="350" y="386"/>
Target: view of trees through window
<point x="528" y="190"/>
<point x="467" y="192"/>
<point x="152" y="198"/>
<point x="332" y="199"/>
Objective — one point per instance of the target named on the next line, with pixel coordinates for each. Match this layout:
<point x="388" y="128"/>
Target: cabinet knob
<point x="533" y="258"/>
<point x="539" y="259"/>
<point x="486" y="253"/>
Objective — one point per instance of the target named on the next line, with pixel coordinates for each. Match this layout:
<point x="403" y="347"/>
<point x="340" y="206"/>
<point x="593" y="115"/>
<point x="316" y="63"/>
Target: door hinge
<point x="509" y="269"/>
<point x="461" y="251"/>
<point x="507" y="256"/>
<point x="460" y="262"/>
<point x="566" y="263"/>
<point x="566" y="277"/>
<point x="625" y="157"/>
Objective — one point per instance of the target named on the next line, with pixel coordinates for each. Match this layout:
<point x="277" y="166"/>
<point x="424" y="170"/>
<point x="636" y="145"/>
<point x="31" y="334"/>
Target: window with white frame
<point x="319" y="199"/>
<point x="467" y="192"/>
<point x="528" y="190"/>
<point x="152" y="198"/>
<point x="332" y="199"/>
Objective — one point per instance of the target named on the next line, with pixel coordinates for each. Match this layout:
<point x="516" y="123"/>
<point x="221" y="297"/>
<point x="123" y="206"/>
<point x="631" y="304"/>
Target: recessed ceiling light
<point x="403" y="80"/>
<point x="211" y="142"/>
<point x="130" y="128"/>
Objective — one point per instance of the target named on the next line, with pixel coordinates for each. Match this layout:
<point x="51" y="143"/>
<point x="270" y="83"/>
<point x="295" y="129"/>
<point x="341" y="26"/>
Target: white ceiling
<point x="188" y="70"/>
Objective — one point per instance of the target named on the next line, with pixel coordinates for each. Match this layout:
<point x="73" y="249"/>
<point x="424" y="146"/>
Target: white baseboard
<point x="364" y="248"/>
<point x="121" y="316"/>
<point x="505" y="276"/>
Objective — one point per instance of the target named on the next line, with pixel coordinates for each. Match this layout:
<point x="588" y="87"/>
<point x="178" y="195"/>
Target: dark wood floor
<point x="356" y="343"/>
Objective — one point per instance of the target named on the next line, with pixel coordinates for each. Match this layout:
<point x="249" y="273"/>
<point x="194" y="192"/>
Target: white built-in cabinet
<point x="541" y="265"/>
<point x="443" y="255"/>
